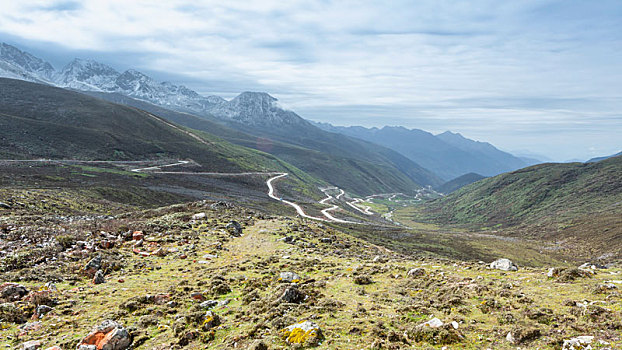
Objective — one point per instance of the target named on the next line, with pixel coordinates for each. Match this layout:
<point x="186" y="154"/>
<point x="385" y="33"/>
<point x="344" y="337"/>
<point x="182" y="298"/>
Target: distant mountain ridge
<point x="449" y="155"/>
<point x="598" y="159"/>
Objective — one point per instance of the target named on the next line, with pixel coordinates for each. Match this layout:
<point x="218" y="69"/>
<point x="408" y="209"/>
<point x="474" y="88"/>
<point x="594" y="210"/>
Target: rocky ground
<point x="214" y="275"/>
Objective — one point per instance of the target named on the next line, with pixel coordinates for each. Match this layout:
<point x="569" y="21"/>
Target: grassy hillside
<point x="356" y="166"/>
<point x="200" y="287"/>
<point x="545" y="193"/>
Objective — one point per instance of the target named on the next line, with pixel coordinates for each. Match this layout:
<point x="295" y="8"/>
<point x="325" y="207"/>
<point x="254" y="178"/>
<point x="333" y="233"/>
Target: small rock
<point x="109" y="335"/>
<point x="554" y="272"/>
<point x="455" y="324"/>
<point x="292" y="295"/>
<point x="138" y="235"/>
<point x="306" y="332"/>
<point x="197" y="296"/>
<point x="433" y="323"/>
<point x="210" y="256"/>
<point x="42" y="310"/>
<point x="578" y="343"/>
<point x="99" y="277"/>
<point x="4" y="205"/>
<point x="289" y="277"/>
<point x="503" y="265"/>
<point x="326" y="240"/>
<point x="32" y="345"/>
<point x="510" y="338"/>
<point x="211" y="320"/>
<point x="93" y="265"/>
<point x="362" y="280"/>
<point x="199" y="216"/>
<point x="234" y="228"/>
<point x="416" y="272"/>
<point x="208" y="304"/>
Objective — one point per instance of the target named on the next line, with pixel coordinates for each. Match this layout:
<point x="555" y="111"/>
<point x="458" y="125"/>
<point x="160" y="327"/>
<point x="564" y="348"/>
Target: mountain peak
<point x="251" y="96"/>
<point x="26" y="61"/>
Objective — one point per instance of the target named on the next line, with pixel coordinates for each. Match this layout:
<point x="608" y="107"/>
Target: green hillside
<point x="544" y="193"/>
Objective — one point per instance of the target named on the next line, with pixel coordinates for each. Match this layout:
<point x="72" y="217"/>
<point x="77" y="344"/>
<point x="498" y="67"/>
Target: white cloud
<point x="431" y="61"/>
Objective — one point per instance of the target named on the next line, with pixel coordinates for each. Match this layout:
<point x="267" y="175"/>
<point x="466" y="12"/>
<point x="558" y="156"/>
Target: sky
<point x="530" y="76"/>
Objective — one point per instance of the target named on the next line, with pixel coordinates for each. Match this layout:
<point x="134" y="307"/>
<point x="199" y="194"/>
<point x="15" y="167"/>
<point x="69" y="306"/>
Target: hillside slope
<point x="539" y="194"/>
<point x="39" y="121"/>
<point x="459" y="182"/>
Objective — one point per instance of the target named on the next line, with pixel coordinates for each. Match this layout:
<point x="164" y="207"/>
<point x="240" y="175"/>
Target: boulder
<point x="108" y="335"/>
<point x="503" y="265"/>
<point x="304" y="333"/>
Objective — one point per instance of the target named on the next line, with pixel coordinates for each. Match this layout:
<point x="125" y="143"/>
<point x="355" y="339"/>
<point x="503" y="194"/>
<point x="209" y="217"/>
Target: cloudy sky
<point x="540" y="76"/>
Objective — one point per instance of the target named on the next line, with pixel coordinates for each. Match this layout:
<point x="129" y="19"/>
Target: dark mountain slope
<point x="39" y="121"/>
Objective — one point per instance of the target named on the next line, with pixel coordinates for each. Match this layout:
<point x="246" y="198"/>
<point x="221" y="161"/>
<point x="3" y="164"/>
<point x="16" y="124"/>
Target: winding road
<point x="157" y="169"/>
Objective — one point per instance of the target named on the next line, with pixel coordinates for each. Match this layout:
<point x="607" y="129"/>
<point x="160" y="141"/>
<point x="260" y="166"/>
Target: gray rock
<point x="416" y="272"/>
<point x="503" y="265"/>
<point x="289" y="277"/>
<point x="208" y="304"/>
<point x="42" y="310"/>
<point x="32" y="345"/>
<point x="4" y="205"/>
<point x="12" y="291"/>
<point x="99" y="277"/>
<point x="578" y="343"/>
<point x="94" y="264"/>
<point x="234" y="228"/>
<point x="292" y="295"/>
<point x="554" y="272"/>
<point x="199" y="216"/>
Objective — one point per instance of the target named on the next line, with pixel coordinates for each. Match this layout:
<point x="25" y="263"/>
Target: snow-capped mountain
<point x="18" y="64"/>
<point x="251" y="108"/>
<point x="256" y="108"/>
<point x="87" y="75"/>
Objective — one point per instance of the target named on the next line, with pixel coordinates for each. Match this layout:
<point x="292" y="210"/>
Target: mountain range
<point x="449" y="155"/>
<point x="391" y="158"/>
